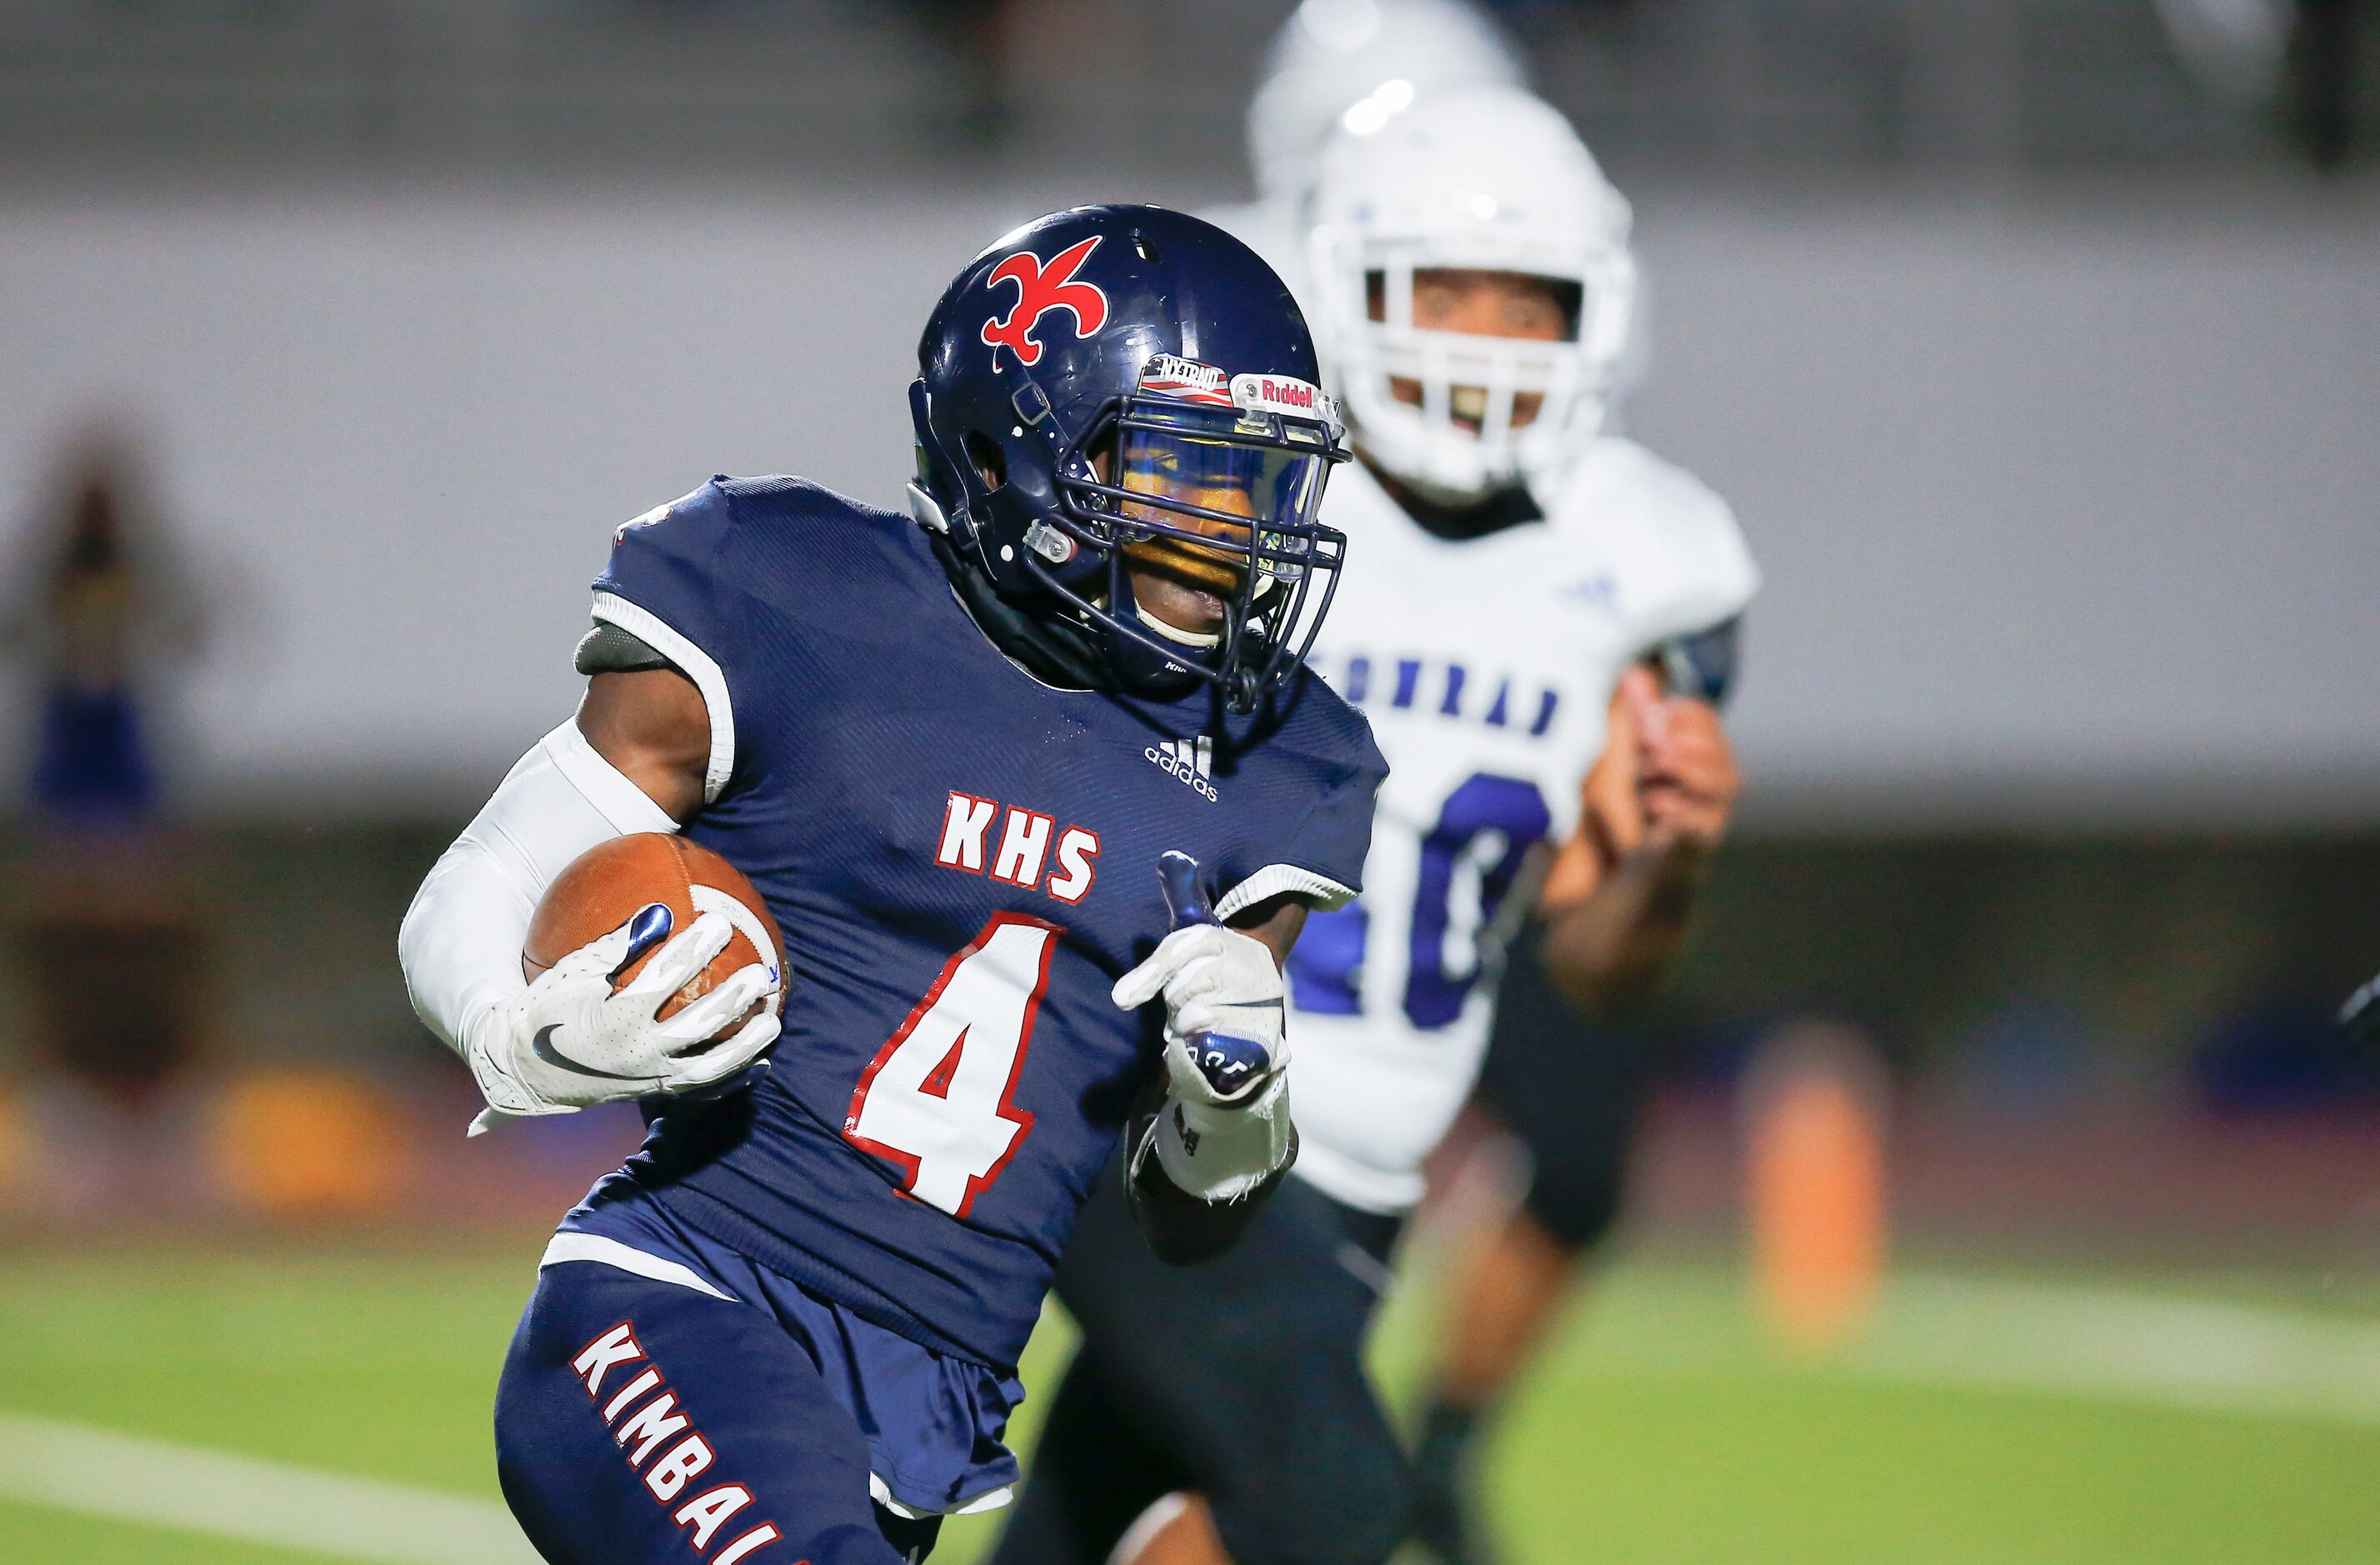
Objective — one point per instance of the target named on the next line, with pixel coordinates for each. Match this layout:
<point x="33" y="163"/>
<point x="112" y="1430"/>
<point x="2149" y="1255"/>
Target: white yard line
<point x="2110" y="1343"/>
<point x="73" y="1467"/>
<point x="1942" y="1327"/>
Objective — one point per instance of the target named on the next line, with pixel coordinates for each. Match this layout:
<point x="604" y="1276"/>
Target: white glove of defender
<point x="1226" y="1127"/>
<point x="570" y="1040"/>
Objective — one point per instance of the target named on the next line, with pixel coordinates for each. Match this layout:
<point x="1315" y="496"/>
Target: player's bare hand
<point x="1686" y="772"/>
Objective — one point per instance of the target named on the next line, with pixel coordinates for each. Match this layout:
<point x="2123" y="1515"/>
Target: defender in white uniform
<point x="1469" y="281"/>
<point x="1487" y="667"/>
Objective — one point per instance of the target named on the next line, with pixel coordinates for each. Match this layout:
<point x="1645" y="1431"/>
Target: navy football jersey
<point x="963" y="860"/>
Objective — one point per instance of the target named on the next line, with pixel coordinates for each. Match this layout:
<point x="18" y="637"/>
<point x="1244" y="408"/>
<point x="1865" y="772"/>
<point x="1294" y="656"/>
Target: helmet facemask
<point x="1458" y="415"/>
<point x="1215" y="498"/>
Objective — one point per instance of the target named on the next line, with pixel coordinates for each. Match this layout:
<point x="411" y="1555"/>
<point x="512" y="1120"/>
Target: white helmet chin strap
<point x="1202" y="639"/>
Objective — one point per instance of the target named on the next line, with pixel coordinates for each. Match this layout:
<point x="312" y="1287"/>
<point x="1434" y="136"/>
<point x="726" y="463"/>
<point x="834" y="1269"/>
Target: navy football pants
<point x="1240" y="1379"/>
<point x="642" y="1422"/>
<point x="1573" y="1091"/>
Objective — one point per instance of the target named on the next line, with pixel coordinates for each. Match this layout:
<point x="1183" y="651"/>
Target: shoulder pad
<point x="1678" y="559"/>
<point x="779" y="502"/>
<point x="1329" y="730"/>
<point x="725" y="501"/>
<point x="685" y="579"/>
<point x="771" y="485"/>
<point x="699" y="515"/>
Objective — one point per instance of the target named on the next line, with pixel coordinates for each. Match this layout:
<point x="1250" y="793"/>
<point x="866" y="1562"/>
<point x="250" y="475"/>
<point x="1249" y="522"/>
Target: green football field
<point x="176" y="1407"/>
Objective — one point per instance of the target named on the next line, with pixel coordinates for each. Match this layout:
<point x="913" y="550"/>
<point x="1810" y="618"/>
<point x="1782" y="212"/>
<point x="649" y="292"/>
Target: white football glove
<point x="1226" y="1128"/>
<point x="570" y="1040"/>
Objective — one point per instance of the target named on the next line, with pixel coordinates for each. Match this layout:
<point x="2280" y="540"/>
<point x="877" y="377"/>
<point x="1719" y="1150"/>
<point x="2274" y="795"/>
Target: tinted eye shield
<point x="1273" y="611"/>
<point x="1276" y="463"/>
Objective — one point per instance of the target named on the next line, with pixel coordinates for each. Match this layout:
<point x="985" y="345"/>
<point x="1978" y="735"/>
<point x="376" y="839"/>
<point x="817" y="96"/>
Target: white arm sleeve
<point x="461" y="940"/>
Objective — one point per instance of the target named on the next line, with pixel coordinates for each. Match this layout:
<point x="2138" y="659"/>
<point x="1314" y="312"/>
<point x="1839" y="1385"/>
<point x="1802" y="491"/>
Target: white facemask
<point x="1487" y="180"/>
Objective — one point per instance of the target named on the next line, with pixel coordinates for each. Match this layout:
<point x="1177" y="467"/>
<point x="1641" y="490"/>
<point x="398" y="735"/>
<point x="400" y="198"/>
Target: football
<point x="610" y="883"/>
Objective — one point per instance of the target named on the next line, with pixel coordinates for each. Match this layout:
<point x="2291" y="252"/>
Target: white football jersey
<point x="1487" y="669"/>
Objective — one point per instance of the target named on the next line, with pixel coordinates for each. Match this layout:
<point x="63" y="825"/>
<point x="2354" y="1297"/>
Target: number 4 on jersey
<point x="936" y="1100"/>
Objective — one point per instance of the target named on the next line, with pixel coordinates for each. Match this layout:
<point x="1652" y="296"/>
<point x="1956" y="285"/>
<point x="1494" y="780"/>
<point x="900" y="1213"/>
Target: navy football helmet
<point x="1117" y="388"/>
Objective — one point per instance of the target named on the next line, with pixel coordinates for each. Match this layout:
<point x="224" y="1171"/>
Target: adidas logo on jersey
<point x="1188" y="761"/>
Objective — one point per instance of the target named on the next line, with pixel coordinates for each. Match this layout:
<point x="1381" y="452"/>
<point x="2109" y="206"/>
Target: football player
<point x="1334" y="58"/>
<point x="950" y="752"/>
<point x="1539" y="617"/>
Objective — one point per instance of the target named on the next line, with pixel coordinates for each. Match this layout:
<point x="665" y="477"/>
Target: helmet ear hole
<point x="1570" y="297"/>
<point x="990" y="461"/>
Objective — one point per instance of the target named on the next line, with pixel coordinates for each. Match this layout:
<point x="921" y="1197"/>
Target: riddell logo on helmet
<point x="1187" y="761"/>
<point x="1041" y="289"/>
<point x="1283" y="393"/>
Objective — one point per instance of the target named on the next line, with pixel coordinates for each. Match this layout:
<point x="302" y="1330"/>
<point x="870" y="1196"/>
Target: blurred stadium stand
<point x="776" y="87"/>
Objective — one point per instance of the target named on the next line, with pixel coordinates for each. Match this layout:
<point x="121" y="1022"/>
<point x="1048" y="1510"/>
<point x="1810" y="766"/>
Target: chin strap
<point x="1052" y="649"/>
<point x="1202" y="640"/>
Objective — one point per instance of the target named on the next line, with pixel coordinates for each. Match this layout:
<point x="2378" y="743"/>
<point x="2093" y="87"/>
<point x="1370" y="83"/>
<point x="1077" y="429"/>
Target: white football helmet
<point x="1489" y="180"/>
<point x="1368" y="57"/>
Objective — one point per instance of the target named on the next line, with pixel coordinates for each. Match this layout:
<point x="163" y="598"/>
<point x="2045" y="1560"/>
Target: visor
<point x="1215" y="504"/>
<point x="1214" y="480"/>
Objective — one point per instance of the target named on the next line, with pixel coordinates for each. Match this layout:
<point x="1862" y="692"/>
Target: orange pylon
<point x="292" y="1143"/>
<point x="1814" y="1183"/>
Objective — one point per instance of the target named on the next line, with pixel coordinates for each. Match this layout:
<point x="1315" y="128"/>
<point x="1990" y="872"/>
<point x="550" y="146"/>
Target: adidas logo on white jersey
<point x="1187" y="761"/>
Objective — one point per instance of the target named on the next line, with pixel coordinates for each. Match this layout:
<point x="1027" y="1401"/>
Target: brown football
<point x="610" y="883"/>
